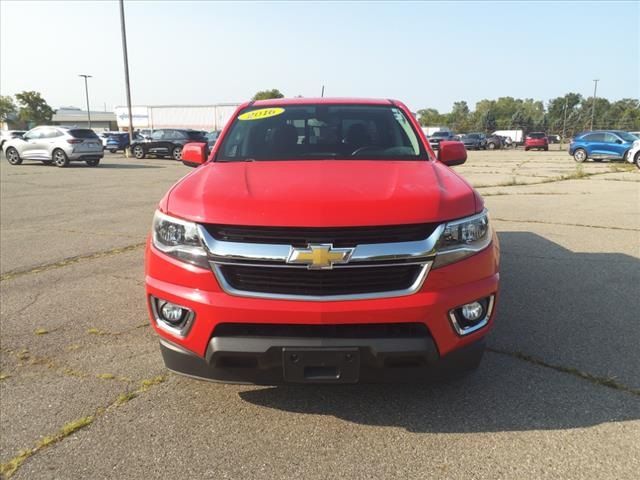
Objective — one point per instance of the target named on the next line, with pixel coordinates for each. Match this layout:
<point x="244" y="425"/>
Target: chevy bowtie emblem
<point x="320" y="256"/>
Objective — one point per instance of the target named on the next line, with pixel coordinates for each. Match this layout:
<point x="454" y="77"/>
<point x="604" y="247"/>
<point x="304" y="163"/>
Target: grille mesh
<point x="339" y="281"/>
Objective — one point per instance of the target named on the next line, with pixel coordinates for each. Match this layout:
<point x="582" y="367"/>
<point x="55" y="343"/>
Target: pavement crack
<point x="608" y="382"/>
<point x="28" y="305"/>
<point x="506" y="220"/>
<point x="69" y="261"/>
<point x="11" y="466"/>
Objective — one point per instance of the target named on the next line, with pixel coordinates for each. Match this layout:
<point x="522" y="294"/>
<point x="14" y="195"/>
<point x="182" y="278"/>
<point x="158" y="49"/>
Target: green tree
<point x="7" y="107"/>
<point x="267" y="94"/>
<point x="459" y="118"/>
<point x="430" y="117"/>
<point x="33" y="108"/>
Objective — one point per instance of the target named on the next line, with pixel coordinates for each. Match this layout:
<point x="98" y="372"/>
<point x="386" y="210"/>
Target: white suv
<point x="57" y="145"/>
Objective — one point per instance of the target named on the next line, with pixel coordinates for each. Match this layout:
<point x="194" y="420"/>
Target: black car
<point x="474" y="141"/>
<point x="166" y="142"/>
<point x="494" y="142"/>
<point x="437" y="137"/>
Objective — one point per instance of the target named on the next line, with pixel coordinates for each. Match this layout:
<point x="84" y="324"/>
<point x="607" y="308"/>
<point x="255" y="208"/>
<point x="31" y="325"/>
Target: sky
<point x="427" y="54"/>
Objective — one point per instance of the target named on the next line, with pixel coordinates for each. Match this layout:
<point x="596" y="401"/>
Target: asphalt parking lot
<point x="84" y="394"/>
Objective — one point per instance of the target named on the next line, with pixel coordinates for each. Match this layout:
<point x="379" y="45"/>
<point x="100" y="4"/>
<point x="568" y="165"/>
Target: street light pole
<point x="86" y="90"/>
<point x="593" y="108"/>
<point x="126" y="70"/>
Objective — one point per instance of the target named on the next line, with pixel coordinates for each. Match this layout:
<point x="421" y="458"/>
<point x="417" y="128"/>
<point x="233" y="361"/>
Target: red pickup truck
<point x="322" y="241"/>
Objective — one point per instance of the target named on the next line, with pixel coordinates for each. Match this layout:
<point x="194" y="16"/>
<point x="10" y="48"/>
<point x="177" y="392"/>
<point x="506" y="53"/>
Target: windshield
<point x="440" y="134"/>
<point x="321" y="132"/>
<point x="471" y="136"/>
<point x="536" y="135"/>
<point x="627" y="137"/>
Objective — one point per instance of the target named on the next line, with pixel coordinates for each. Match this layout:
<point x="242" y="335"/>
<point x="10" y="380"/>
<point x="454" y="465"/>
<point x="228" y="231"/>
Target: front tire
<point x="60" y="158"/>
<point x="636" y="159"/>
<point x="491" y="146"/>
<point x="13" y="157"/>
<point x="113" y="150"/>
<point x="94" y="162"/>
<point x="177" y="154"/>
<point x="580" y="155"/>
<point x="138" y="152"/>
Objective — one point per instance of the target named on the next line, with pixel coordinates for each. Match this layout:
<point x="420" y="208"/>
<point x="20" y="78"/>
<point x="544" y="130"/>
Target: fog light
<point x="473" y="316"/>
<point x="172" y="318"/>
<point x="472" y="311"/>
<point x="172" y="313"/>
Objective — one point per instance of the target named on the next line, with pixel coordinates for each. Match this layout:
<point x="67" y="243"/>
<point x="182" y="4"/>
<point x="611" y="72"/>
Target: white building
<point x="198" y="117"/>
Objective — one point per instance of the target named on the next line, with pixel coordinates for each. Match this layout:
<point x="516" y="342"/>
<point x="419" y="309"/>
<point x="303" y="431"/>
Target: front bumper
<point x="271" y="360"/>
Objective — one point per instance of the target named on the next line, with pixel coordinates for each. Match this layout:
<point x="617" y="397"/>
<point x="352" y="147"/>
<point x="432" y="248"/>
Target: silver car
<point x="57" y="145"/>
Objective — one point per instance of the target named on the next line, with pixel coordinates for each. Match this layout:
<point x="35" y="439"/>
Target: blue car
<point x="119" y="141"/>
<point x="614" y="144"/>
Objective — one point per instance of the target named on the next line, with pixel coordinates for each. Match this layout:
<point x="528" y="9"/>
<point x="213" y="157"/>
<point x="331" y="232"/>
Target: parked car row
<point x="471" y="141"/>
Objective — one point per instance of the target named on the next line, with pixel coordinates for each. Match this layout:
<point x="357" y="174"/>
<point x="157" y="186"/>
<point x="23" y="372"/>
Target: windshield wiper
<point x="320" y="155"/>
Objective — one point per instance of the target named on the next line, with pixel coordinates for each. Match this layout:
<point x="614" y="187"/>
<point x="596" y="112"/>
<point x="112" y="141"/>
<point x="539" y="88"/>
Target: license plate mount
<point x="321" y="365"/>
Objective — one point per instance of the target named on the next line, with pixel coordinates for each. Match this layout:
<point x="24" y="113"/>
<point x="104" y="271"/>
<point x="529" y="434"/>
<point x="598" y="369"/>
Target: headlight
<point x="462" y="238"/>
<point x="179" y="239"/>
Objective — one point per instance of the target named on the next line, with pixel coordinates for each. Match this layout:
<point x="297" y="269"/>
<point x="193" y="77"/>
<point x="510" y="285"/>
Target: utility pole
<point x="322" y="93"/>
<point x="86" y="90"/>
<point x="126" y="70"/>
<point x="593" y="108"/>
<point x="564" y="122"/>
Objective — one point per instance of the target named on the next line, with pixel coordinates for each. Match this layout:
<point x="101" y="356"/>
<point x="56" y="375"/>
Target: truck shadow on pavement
<point x="574" y="310"/>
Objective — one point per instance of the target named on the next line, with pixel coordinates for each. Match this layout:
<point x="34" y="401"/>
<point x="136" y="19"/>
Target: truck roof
<point x="323" y="100"/>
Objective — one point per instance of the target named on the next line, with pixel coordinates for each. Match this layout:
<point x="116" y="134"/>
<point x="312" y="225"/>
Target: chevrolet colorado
<point x="322" y="241"/>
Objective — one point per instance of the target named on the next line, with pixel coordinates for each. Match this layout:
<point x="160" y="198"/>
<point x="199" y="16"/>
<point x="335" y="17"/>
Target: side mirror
<point x="194" y="154"/>
<point x="452" y="153"/>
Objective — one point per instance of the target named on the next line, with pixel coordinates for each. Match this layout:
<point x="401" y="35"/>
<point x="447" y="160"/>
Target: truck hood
<point x="321" y="193"/>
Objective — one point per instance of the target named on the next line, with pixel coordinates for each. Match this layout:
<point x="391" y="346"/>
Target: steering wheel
<point x="363" y="149"/>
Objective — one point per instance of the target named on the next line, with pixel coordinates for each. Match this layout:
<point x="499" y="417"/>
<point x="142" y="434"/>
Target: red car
<point x="322" y="241"/>
<point x="536" y="140"/>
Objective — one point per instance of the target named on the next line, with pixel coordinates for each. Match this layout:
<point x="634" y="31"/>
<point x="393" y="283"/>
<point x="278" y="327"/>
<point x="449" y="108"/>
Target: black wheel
<point x="94" y="162"/>
<point x="113" y="150"/>
<point x="546" y="149"/>
<point x="580" y="155"/>
<point x="138" y="152"/>
<point x="625" y="157"/>
<point x="60" y="158"/>
<point x="47" y="162"/>
<point x="12" y="156"/>
<point x="491" y="146"/>
<point x="636" y="159"/>
<point x="526" y="149"/>
<point x="176" y="153"/>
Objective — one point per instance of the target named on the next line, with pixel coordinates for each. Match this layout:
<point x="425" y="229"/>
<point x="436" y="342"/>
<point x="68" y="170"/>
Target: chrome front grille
<point x="374" y="270"/>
